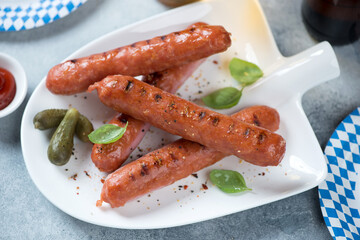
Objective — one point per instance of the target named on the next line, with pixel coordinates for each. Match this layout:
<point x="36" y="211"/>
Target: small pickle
<point x="51" y="118"/>
<point x="62" y="142"/>
<point x="83" y="128"/>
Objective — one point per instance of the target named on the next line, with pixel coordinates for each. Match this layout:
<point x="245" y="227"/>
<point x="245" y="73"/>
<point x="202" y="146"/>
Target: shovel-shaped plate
<point x="285" y="80"/>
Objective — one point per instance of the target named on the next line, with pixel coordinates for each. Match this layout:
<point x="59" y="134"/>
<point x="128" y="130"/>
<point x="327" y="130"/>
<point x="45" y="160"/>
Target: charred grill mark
<point x="133" y="45"/>
<point x="171" y="105"/>
<point x="131" y="176"/>
<point x="163" y="37"/>
<point x="157" y="161"/>
<point x="256" y="120"/>
<point x="148" y="41"/>
<point x="144" y="170"/>
<point x="261" y="137"/>
<point x="129" y="86"/>
<point x="192" y="29"/>
<point x="73" y="60"/>
<point x="215" y="121"/>
<point x="176" y="33"/>
<point x="202" y="115"/>
<point x="158" y="97"/>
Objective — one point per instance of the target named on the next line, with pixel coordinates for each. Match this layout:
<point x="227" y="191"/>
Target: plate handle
<point x="315" y="65"/>
<point x="291" y="77"/>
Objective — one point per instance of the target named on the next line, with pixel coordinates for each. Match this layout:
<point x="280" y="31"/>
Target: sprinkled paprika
<point x="7" y="88"/>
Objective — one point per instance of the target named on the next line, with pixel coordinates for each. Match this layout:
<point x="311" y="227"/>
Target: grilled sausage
<point x="180" y="117"/>
<point x="171" y="80"/>
<point x="141" y="58"/>
<point x="173" y="162"/>
<point x="109" y="157"/>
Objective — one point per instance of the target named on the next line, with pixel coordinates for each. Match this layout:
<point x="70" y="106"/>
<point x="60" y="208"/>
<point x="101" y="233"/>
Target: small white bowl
<point x="14" y="67"/>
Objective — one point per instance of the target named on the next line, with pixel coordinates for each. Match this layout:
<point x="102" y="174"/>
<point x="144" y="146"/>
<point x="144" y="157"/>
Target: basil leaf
<point x="228" y="181"/>
<point x="107" y="133"/>
<point x="244" y="72"/>
<point x="223" y="98"/>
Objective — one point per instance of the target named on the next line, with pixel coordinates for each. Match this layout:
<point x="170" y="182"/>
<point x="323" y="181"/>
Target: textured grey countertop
<point x="26" y="214"/>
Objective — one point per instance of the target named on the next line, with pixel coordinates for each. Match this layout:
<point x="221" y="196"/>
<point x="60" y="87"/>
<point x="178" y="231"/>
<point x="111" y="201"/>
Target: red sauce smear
<point x="7" y="88"/>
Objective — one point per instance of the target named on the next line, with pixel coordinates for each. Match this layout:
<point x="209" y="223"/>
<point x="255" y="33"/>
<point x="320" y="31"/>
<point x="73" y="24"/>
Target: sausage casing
<point x="109" y="157"/>
<point x="140" y="58"/>
<point x="180" y="117"/>
<point x="173" y="162"/>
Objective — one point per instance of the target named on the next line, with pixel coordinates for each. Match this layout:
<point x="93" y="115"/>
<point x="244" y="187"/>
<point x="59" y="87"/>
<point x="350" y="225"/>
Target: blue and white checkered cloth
<point x="340" y="192"/>
<point x="27" y="16"/>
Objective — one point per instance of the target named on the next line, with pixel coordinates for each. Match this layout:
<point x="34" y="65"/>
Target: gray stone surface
<point x="26" y="214"/>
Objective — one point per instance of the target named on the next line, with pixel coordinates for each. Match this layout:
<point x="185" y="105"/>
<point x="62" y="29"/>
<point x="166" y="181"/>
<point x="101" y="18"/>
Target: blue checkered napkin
<point x="340" y="192"/>
<point x="27" y="16"/>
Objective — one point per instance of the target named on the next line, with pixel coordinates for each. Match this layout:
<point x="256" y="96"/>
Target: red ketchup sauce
<point x="7" y="88"/>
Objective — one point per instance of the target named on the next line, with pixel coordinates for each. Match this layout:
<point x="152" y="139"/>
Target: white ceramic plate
<point x="16" y="15"/>
<point x="286" y="79"/>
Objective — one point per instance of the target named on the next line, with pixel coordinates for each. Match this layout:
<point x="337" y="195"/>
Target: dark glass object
<point x="177" y="3"/>
<point x="336" y="21"/>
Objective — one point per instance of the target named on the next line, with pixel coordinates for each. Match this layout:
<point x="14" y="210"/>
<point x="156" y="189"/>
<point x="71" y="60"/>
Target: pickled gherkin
<point x="62" y="142"/>
<point x="51" y="118"/>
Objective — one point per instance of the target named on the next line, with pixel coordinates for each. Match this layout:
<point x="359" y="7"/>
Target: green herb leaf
<point x="228" y="181"/>
<point x="223" y="98"/>
<point x="107" y="133"/>
<point x="244" y="72"/>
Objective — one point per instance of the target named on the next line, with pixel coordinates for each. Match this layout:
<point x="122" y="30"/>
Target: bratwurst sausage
<point x="109" y="157"/>
<point x="171" y="80"/>
<point x="141" y="58"/>
<point x="173" y="162"/>
<point x="180" y="117"/>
